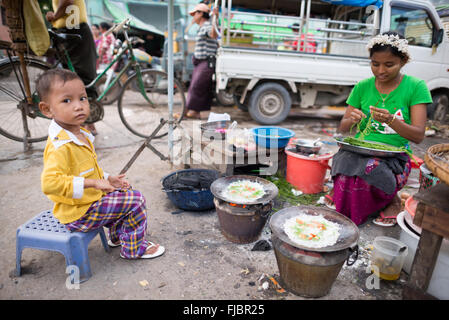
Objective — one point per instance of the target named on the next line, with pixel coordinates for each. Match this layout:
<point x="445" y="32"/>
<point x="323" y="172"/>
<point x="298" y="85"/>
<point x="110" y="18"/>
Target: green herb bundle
<point x="286" y="194"/>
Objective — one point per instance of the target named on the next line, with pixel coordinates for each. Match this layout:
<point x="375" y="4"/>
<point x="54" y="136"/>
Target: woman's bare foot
<point x="328" y="200"/>
<point x="192" y="114"/>
<point x="391" y="210"/>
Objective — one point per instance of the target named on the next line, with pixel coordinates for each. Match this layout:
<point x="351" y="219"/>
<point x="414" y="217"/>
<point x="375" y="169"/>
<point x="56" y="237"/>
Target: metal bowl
<point x="211" y="130"/>
<point x="306" y="146"/>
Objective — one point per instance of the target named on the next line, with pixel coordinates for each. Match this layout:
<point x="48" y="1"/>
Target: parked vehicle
<point x="259" y="63"/>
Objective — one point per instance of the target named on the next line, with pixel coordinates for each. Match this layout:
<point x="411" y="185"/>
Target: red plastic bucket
<point x="307" y="173"/>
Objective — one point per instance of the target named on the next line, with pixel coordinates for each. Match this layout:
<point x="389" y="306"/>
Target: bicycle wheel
<point x="12" y="96"/>
<point x="142" y="117"/>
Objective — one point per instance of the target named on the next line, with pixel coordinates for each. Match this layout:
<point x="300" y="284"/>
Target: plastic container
<point x="426" y="178"/>
<point x="307" y="173"/>
<point x="272" y="137"/>
<point x="439" y="282"/>
<point x="410" y="210"/>
<point x="387" y="257"/>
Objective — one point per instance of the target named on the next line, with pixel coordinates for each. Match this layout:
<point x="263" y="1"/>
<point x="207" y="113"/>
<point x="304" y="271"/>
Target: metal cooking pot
<point x="209" y="129"/>
<point x="306" y="146"/>
<point x="311" y="272"/>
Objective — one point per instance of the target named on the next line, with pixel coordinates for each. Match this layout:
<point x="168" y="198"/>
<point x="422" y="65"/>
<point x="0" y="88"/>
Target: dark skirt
<point x="200" y="94"/>
<point x="82" y="54"/>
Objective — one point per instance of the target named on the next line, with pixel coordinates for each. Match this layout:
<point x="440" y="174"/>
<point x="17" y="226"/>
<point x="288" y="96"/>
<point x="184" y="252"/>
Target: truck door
<point x="419" y="25"/>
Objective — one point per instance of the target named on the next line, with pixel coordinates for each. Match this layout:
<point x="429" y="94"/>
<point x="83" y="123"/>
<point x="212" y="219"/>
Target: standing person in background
<point x="83" y="55"/>
<point x="200" y="94"/>
<point x="296" y="45"/>
<point x="96" y="34"/>
<point x="105" y="46"/>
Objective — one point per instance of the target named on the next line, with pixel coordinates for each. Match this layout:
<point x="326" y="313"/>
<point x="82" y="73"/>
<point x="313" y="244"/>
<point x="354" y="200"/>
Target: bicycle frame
<point x="132" y="63"/>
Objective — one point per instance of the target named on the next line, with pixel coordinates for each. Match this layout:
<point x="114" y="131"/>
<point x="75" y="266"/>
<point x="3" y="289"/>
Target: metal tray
<point x="366" y="151"/>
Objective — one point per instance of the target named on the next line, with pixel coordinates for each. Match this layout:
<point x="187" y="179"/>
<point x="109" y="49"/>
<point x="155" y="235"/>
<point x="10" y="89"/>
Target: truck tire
<point x="225" y="99"/>
<point x="270" y="103"/>
<point x="439" y="109"/>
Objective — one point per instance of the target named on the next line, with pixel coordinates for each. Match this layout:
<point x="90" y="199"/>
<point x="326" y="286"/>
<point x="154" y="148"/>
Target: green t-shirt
<point x="411" y="91"/>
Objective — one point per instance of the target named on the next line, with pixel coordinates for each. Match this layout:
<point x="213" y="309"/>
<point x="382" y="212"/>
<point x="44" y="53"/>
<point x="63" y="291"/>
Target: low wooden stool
<point x="432" y="215"/>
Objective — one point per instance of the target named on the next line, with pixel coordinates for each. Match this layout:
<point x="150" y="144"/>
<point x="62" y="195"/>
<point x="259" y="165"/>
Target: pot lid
<point x="349" y="232"/>
<point x="220" y="185"/>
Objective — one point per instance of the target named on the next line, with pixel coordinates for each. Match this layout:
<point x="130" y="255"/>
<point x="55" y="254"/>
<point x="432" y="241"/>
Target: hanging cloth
<point x="35" y="28"/>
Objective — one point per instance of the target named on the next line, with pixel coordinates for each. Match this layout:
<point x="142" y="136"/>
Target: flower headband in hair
<point x="392" y="40"/>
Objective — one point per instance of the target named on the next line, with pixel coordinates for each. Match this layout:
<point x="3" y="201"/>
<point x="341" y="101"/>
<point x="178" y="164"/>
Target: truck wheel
<point x="224" y="98"/>
<point x="239" y="105"/>
<point x="270" y="103"/>
<point x="439" y="109"/>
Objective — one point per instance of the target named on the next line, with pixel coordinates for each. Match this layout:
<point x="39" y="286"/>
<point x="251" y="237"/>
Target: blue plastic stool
<point x="44" y="232"/>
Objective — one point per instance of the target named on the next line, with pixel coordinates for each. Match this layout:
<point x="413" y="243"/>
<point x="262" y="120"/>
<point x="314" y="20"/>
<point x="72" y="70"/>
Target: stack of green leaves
<point x="286" y="194"/>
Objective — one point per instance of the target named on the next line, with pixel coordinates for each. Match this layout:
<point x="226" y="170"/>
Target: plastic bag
<point x="240" y="137"/>
<point x="35" y="28"/>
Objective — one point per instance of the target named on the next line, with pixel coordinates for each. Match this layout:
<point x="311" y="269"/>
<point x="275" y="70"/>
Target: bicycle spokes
<point x="134" y="108"/>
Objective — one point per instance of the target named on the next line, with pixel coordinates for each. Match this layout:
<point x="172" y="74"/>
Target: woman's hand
<point x="119" y="182"/>
<point x="215" y="11"/>
<point x="50" y="15"/>
<point x="381" y="115"/>
<point x="356" y="116"/>
<point x="351" y="117"/>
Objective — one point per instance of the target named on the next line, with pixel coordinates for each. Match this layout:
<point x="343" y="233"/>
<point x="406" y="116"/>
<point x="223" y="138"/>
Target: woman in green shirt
<point x="397" y="103"/>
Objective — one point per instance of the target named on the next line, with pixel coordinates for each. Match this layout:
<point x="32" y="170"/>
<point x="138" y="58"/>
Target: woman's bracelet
<point x="391" y="121"/>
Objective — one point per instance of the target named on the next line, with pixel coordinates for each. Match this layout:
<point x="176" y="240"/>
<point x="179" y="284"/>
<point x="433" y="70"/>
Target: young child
<point x="86" y="198"/>
<point x="364" y="185"/>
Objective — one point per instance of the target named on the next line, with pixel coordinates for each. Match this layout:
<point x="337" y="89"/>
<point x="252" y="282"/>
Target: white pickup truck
<point x="261" y="62"/>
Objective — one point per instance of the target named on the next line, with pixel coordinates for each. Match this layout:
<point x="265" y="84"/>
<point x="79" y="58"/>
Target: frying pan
<point x="220" y="185"/>
<point x="349" y="232"/>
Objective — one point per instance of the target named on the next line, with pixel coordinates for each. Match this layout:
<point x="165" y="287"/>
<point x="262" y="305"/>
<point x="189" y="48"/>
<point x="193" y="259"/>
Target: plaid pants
<point x="124" y="214"/>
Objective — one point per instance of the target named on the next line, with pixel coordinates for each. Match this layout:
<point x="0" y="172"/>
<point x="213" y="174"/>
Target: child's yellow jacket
<point x="67" y="162"/>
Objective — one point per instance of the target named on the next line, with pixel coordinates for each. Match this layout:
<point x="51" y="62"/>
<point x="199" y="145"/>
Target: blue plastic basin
<point x="272" y="137"/>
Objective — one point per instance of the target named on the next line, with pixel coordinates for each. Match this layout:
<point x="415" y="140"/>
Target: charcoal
<point x="191" y="180"/>
<point x="206" y="179"/>
<point x="180" y="186"/>
<point x="261" y="245"/>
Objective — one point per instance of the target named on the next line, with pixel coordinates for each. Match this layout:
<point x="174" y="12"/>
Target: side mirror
<point x="438" y="36"/>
